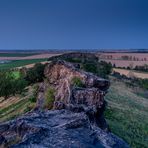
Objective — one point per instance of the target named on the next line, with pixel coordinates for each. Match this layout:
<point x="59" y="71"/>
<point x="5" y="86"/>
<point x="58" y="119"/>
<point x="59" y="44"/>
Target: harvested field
<point x="125" y="59"/>
<point x="126" y="63"/>
<point x="128" y="73"/>
<point x="37" y="56"/>
<point x="140" y="56"/>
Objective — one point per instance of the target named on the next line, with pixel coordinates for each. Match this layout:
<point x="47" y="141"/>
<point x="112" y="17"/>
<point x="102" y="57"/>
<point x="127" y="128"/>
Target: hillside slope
<point x="127" y="114"/>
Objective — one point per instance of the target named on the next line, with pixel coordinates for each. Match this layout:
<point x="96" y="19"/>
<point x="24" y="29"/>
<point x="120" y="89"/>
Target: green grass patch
<point x="127" y="115"/>
<point x="16" y="74"/>
<point x="19" y="63"/>
<point x="49" y="98"/>
<point x="16" y="54"/>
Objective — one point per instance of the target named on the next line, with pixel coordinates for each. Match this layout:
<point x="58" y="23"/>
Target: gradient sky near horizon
<point x="73" y="24"/>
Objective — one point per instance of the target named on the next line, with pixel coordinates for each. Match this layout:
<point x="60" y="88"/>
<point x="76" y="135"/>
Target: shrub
<point x="49" y="98"/>
<point x="90" y="67"/>
<point x="35" y="74"/>
<point x="76" y="81"/>
<point x="33" y="98"/>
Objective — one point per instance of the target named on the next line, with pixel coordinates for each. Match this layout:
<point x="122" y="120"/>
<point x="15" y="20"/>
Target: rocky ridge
<point x="76" y="119"/>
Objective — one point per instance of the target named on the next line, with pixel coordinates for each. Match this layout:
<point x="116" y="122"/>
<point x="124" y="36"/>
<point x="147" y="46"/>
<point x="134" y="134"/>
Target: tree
<point x="35" y="74"/>
<point x="6" y="81"/>
<point x="9" y="85"/>
<point x="19" y="85"/>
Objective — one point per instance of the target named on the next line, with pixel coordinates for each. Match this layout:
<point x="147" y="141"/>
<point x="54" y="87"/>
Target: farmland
<point x="16" y="54"/>
<point x="20" y="63"/>
<point x="128" y="73"/>
<point x="125" y="59"/>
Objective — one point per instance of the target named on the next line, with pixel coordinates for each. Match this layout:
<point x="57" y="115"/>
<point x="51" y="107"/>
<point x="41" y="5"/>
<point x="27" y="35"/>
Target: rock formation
<point x="56" y="129"/>
<point x="76" y="119"/>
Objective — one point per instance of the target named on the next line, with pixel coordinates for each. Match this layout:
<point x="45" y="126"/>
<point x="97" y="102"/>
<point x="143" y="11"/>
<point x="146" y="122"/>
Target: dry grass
<point x="130" y="73"/>
<point x="15" y="106"/>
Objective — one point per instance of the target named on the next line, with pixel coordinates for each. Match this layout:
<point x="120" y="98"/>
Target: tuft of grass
<point x="49" y="98"/>
<point x="127" y="114"/>
<point x="76" y="81"/>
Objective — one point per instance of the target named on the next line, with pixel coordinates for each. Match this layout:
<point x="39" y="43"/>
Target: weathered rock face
<point x="77" y="120"/>
<point x="56" y="129"/>
<point x="60" y="75"/>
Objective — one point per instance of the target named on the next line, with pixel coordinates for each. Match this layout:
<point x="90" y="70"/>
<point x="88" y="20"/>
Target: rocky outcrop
<point x="76" y="57"/>
<point x="56" y="129"/>
<point x="76" y="119"/>
<point x="90" y="97"/>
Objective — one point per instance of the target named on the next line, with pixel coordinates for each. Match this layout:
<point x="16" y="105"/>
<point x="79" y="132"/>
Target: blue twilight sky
<point x="73" y="24"/>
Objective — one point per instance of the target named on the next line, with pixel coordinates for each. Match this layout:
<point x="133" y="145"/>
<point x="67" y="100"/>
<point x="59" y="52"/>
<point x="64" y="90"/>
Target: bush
<point x="49" y="98"/>
<point x="19" y="85"/>
<point x="9" y="85"/>
<point x="90" y="67"/>
<point x="76" y="81"/>
<point x="33" y="98"/>
<point x="6" y="84"/>
<point x="35" y="74"/>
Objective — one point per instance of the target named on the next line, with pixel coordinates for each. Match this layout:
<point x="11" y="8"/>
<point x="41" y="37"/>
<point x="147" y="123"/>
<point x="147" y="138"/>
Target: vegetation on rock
<point x="77" y="82"/>
<point x="49" y="98"/>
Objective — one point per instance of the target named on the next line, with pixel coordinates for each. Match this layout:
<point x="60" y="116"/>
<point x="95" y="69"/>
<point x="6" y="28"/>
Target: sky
<point x="73" y="24"/>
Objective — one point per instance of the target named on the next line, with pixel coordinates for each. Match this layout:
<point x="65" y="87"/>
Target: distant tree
<point x="114" y="65"/>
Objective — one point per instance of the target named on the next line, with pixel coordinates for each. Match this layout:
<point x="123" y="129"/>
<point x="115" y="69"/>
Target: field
<point x="127" y="114"/>
<point x="24" y="57"/>
<point x="16" y="54"/>
<point x="15" y="105"/>
<point x="131" y="73"/>
<point x="20" y="63"/>
<point x="125" y="59"/>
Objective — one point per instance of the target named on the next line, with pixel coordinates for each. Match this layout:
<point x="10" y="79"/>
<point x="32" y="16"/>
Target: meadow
<point x="127" y="114"/>
<point x="20" y="63"/>
<point x="16" y="54"/>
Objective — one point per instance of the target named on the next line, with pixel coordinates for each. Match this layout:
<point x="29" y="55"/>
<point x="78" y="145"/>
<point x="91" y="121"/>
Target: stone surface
<point x="76" y="119"/>
<point x="56" y="129"/>
<point x="90" y="97"/>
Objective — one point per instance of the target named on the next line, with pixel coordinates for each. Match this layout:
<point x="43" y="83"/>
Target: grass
<point x="16" y="106"/>
<point x="16" y="74"/>
<point x="49" y="98"/>
<point x="19" y="63"/>
<point x="16" y="54"/>
<point x="127" y="114"/>
<point x="14" y="110"/>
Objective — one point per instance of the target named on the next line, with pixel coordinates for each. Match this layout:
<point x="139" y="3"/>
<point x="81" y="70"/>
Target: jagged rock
<point x="60" y="75"/>
<point x="76" y="121"/>
<point x="57" y="129"/>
